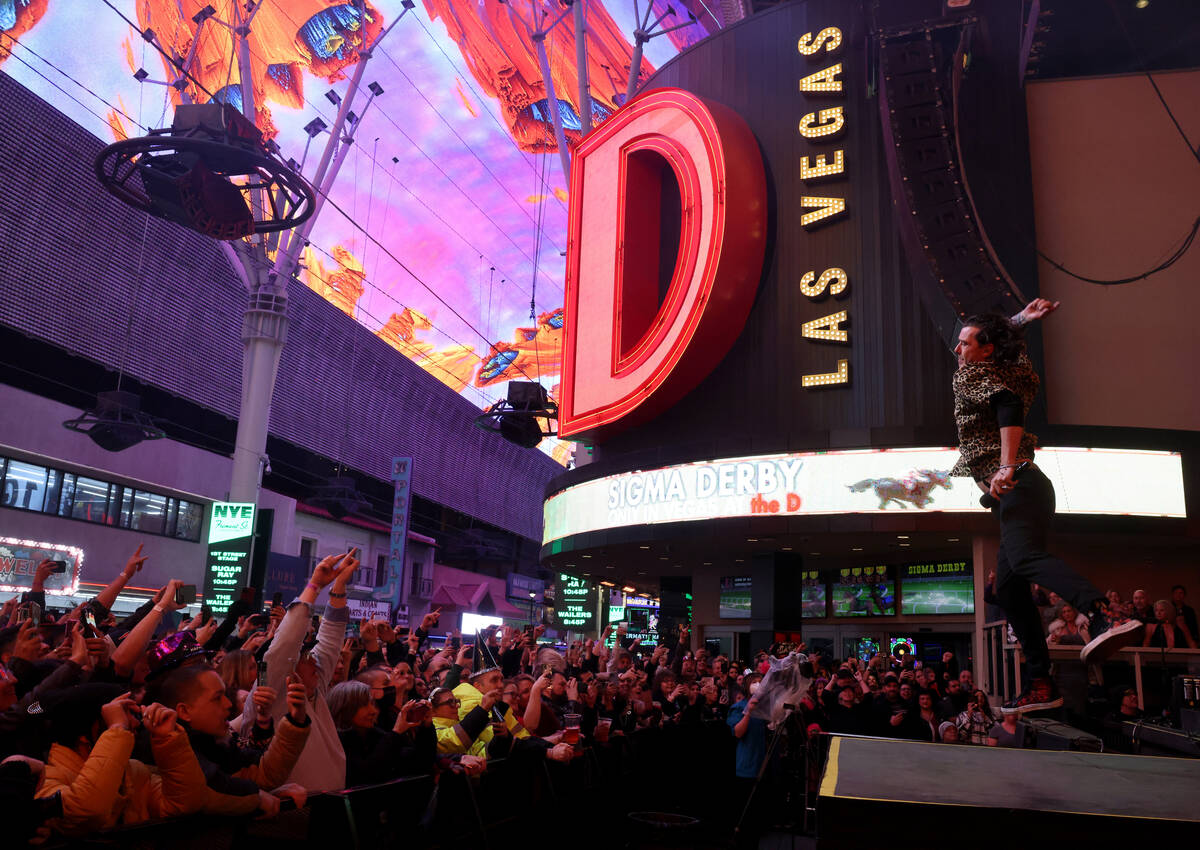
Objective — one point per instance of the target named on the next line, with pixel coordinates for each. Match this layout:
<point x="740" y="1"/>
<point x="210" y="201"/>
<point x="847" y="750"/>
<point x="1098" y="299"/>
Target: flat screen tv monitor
<point x="813" y="598"/>
<point x="735" y="597"/>
<point x="864" y="592"/>
<point x="938" y="588"/>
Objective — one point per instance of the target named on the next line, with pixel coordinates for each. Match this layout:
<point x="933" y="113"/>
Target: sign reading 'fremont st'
<point x="870" y="481"/>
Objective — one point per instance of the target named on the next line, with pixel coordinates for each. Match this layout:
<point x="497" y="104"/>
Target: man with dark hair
<point x="994" y="387"/>
<point x="1183" y="611"/>
<point x="242" y="776"/>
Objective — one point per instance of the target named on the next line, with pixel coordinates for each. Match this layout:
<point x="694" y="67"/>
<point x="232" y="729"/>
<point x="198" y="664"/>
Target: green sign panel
<point x="576" y="603"/>
<point x="230" y="535"/>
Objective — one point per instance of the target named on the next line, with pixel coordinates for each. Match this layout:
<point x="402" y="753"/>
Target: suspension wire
<point x="522" y="207"/>
<point x="420" y="93"/>
<point x="432" y="211"/>
<point x="529" y="159"/>
<point x="154" y="44"/>
<point x="409" y="271"/>
<point x="64" y="92"/>
<point x="137" y="293"/>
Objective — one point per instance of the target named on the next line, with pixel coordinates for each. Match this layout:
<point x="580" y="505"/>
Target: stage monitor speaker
<point x="1047" y="734"/>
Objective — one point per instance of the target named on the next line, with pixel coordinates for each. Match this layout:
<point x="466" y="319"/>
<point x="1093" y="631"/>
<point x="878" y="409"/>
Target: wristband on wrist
<point x="160" y="609"/>
<point x="314" y="587"/>
<point x="333" y="595"/>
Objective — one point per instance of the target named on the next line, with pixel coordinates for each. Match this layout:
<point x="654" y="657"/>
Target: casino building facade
<point x="817" y="195"/>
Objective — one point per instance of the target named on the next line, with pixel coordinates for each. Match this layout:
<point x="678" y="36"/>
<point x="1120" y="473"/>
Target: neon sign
<point x="626" y="357"/>
<point x="19" y="559"/>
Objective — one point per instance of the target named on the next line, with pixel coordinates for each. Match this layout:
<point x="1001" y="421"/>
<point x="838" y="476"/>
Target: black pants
<point x="1025" y="514"/>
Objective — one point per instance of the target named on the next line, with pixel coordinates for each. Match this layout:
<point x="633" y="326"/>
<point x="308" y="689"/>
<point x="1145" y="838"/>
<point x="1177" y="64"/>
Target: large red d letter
<point x="627" y="358"/>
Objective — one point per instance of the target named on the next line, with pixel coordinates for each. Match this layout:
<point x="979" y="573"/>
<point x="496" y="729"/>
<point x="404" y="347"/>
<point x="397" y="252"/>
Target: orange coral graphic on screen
<point x="534" y="352"/>
<point x="286" y="39"/>
<point x="21" y="18"/>
<point x="453" y="366"/>
<point x="342" y="284"/>
<point x="503" y="61"/>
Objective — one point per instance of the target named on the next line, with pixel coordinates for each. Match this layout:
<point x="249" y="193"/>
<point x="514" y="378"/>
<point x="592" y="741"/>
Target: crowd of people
<point x="107" y="722"/>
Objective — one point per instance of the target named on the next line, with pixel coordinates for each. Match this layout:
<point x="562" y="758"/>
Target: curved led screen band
<point x="1086" y="481"/>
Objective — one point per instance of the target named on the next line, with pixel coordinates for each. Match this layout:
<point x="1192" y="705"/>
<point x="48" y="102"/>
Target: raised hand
<point x="165" y="598"/>
<point x="327" y="570"/>
<point x="79" y="648"/>
<point x="297" y="699"/>
<point x="160" y="720"/>
<point x="573" y="689"/>
<point x="29" y="644"/>
<point x="349" y="564"/>
<point x="205" y="632"/>
<point x="490" y="699"/>
<point x="121" y="713"/>
<point x="263" y="698"/>
<point x="135" y="562"/>
<point x="1038" y="308"/>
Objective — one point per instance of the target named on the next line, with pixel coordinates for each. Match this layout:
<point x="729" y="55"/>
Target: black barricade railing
<point x="674" y="769"/>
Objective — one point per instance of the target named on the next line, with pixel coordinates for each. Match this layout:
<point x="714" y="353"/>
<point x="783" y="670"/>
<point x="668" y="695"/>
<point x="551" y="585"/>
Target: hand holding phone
<point x="185" y="594"/>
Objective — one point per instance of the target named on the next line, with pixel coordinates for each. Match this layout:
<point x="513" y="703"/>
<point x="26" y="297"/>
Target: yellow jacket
<point x="108" y="789"/>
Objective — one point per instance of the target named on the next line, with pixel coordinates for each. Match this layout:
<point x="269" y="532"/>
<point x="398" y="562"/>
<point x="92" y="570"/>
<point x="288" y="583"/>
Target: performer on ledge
<point x="993" y="388"/>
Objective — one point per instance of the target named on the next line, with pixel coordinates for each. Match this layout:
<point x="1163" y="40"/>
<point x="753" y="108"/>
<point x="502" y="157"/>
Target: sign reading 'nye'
<point x="230" y="536"/>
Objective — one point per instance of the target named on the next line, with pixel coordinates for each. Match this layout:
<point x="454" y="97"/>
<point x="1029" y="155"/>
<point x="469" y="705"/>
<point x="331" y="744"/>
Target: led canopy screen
<point x="861" y="481"/>
<point x="449" y="213"/>
<point x="941" y="588"/>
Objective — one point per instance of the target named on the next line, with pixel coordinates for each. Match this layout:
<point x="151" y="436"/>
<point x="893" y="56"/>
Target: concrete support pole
<point x="585" y="95"/>
<point x="539" y="42"/>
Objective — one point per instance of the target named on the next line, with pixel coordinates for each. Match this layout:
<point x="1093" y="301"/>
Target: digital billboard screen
<point x="864" y="592"/>
<point x="938" y="588"/>
<point x="735" y="597"/>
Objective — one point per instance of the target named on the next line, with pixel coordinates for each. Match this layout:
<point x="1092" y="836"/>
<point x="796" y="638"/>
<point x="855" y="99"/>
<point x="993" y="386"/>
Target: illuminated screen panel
<point x="814" y="601"/>
<point x="864" y="481"/>
<point x="735" y="597"/>
<point x="939" y="588"/>
<point x="864" y="592"/>
<point x="455" y="172"/>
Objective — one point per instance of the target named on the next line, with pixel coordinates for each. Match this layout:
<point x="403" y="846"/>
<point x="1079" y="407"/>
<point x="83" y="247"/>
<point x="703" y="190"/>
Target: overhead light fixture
<point x="629" y="589"/>
<point x="856" y="549"/>
<point x="785" y="548"/>
<point x="951" y="539"/>
<point x="641" y="572"/>
<point x="1141" y="4"/>
<point x="708" y="563"/>
<point x="739" y="560"/>
<point x="751" y="539"/>
<point x="585" y="556"/>
<point x="814" y="553"/>
<point x="643" y="547"/>
<point x="905" y="544"/>
<point x="608" y="584"/>
<point x="901" y="536"/>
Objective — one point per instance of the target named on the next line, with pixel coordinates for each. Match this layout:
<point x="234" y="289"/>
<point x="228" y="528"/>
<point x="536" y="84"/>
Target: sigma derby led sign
<point x="867" y="481"/>
<point x="230" y="534"/>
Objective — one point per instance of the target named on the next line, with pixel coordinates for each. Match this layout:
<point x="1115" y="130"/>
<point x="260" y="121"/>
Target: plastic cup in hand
<point x="603" y="727"/>
<point x="571" y="729"/>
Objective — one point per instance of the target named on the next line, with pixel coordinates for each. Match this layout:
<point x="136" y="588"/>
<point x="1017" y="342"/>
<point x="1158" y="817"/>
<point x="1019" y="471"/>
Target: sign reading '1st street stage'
<point x="230" y="537"/>
<point x="575" y="609"/>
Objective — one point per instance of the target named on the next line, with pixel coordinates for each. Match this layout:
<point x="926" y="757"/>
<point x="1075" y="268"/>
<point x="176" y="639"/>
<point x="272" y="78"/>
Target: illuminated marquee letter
<point x="626" y="357"/>
<point x="822" y="168"/>
<point x="830" y="120"/>
<point x="841" y="376"/>
<point x="839" y="276"/>
<point x="824" y="80"/>
<point x="830" y="38"/>
<point x="827" y="328"/>
<point x="825" y="208"/>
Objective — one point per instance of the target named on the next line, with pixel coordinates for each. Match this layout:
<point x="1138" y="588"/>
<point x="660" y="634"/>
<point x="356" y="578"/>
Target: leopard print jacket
<point x="978" y="431"/>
